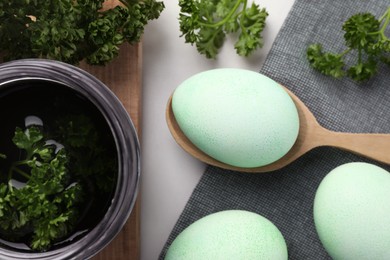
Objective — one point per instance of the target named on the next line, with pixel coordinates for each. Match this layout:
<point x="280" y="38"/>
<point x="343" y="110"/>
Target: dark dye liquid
<point x="50" y="101"/>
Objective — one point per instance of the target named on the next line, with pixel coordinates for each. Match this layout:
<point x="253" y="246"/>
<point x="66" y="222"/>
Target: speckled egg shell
<point x="352" y="212"/>
<point x="239" y="117"/>
<point x="231" y="234"/>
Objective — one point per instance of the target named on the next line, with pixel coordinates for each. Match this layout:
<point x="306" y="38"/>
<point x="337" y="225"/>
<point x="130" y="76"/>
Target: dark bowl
<point x="14" y="77"/>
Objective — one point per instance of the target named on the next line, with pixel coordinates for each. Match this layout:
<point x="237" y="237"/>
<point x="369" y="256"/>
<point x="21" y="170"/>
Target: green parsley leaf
<point x="327" y="63"/>
<point x="363" y="70"/>
<point x="26" y="139"/>
<point x="46" y="207"/>
<point x="80" y="136"/>
<point x="252" y="24"/>
<point x="206" y="23"/>
<point x="71" y="31"/>
<point x="364" y="36"/>
<point x="360" y="30"/>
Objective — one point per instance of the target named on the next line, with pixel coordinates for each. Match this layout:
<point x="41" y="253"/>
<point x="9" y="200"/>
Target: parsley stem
<point x="14" y="168"/>
<point x="242" y="18"/>
<point x="245" y="4"/>
<point x="223" y="21"/>
<point x="344" y="52"/>
<point x="386" y="14"/>
<point x="385" y="18"/>
<point x="386" y="22"/>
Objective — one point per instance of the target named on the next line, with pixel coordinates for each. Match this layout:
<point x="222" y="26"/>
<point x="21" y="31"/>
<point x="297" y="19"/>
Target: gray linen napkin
<point x="286" y="196"/>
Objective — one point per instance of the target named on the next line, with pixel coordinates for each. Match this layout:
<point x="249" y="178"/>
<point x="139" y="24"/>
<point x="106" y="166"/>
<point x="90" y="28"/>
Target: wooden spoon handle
<point x="373" y="146"/>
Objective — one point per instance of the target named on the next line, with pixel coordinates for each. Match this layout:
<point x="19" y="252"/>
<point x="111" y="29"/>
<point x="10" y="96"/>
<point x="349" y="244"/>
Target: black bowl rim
<point x="127" y="143"/>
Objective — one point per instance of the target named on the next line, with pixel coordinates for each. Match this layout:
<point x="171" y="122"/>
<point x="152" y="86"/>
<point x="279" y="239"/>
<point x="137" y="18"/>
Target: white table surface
<point x="169" y="174"/>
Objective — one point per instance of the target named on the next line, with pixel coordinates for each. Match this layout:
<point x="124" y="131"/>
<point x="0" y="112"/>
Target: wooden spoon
<point x="311" y="135"/>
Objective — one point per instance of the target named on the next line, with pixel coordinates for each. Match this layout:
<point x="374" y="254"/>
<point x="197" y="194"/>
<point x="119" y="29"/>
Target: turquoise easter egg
<point x="352" y="211"/>
<point x="231" y="234"/>
<point x="238" y="117"/>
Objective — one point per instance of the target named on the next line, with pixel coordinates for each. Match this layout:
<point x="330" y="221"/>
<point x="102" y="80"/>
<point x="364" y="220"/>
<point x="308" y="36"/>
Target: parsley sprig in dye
<point x="58" y="166"/>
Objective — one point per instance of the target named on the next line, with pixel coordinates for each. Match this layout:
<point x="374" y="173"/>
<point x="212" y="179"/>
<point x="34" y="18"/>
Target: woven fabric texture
<point x="286" y="196"/>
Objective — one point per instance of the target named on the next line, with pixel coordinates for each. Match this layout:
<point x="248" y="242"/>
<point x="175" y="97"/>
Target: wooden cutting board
<point x="123" y="76"/>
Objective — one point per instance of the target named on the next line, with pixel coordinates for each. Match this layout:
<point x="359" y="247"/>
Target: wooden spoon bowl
<point x="311" y="135"/>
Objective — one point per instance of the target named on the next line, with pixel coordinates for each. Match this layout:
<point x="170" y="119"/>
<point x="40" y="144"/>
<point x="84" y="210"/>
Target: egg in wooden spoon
<point x="244" y="121"/>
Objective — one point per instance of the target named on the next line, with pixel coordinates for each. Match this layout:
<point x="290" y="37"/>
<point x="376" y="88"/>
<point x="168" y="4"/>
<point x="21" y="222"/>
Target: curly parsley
<point x="364" y="36"/>
<point x="45" y="206"/>
<point x="45" y="194"/>
<point x="71" y="31"/>
<point x="206" y="23"/>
